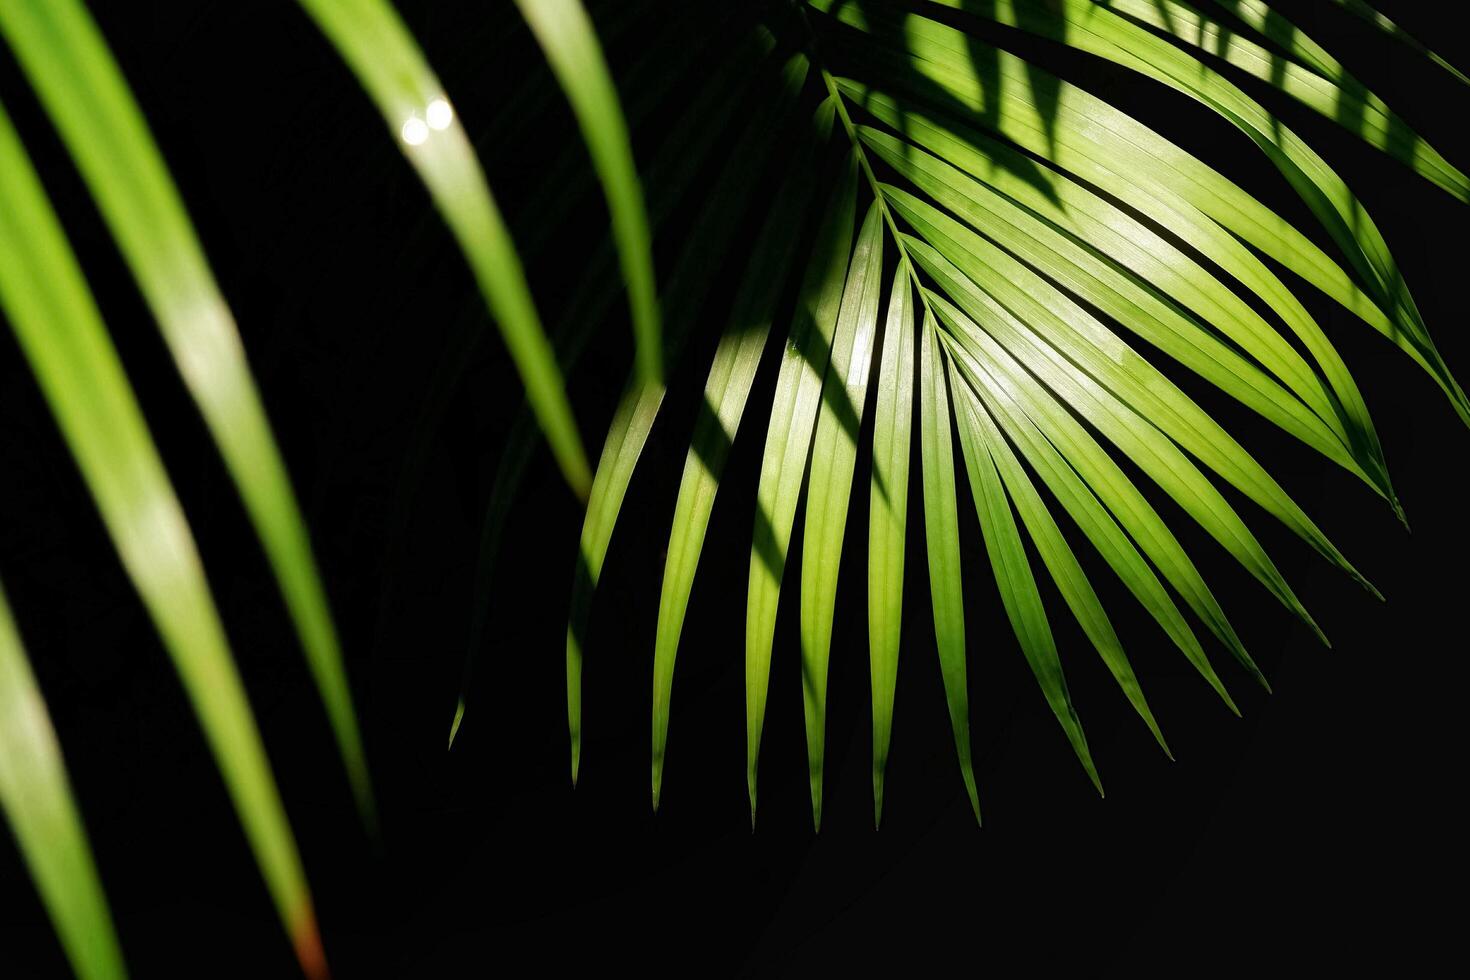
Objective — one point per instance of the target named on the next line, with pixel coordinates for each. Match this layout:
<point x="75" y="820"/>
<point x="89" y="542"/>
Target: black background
<point x="1313" y="832"/>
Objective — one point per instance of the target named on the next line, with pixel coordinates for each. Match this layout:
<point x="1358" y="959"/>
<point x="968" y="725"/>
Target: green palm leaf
<point x="633" y="420"/>
<point x="829" y="482"/>
<point x="887" y="517"/>
<point x="382" y="54"/>
<point x="36" y="798"/>
<point x="804" y="359"/>
<point x="61" y="333"/>
<point x="731" y="374"/>
<point x="942" y="538"/>
<point x="570" y="43"/>
<point x="103" y="128"/>
<point x="1036" y="220"/>
<point x="1013" y="575"/>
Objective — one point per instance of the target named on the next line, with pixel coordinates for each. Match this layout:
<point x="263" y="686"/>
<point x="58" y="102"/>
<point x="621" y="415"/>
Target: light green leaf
<point x="85" y="94"/>
<point x="1095" y="275"/>
<point x="829" y="483"/>
<point x="942" y="541"/>
<point x="1093" y="464"/>
<point x="1071" y="581"/>
<point x="61" y="334"/>
<point x="371" y="38"/>
<point x="1013" y="576"/>
<point x="804" y="361"/>
<point x="1074" y="342"/>
<point x="1131" y="432"/>
<point x="1085" y="136"/>
<point x="1004" y="404"/>
<point x="36" y="798"/>
<point x="888" y="500"/>
<point x="1325" y="87"/>
<point x="633" y="421"/>
<point x="567" y="36"/>
<point x="731" y="375"/>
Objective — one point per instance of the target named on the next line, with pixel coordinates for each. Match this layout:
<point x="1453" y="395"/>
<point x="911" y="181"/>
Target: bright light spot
<point x="415" y="132"/>
<point x="440" y="115"/>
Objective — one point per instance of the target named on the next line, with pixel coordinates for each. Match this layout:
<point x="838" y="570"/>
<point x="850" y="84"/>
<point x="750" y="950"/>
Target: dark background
<point x="1315" y="831"/>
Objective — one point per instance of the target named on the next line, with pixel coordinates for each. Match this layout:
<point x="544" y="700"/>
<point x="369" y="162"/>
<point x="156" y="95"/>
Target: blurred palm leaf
<point x="37" y="801"/>
<point x="55" y="319"/>
<point x="47" y="302"/>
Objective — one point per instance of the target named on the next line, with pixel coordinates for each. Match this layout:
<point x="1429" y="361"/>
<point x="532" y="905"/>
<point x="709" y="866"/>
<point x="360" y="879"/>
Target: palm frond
<point x="1034" y="223"/>
<point x="888" y="499"/>
<point x="804" y="359"/>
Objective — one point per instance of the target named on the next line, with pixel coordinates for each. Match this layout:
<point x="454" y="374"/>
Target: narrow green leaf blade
<point x="566" y="34"/>
<point x="1084" y="135"/>
<point x="1326" y="88"/>
<point x="1056" y="554"/>
<point x="1004" y="402"/>
<point x="36" y="798"/>
<point x="1013" y="576"/>
<point x="829" y="483"/>
<point x="633" y="421"/>
<point x="1366" y="12"/>
<point x="87" y="98"/>
<point x="942" y="542"/>
<point x="1071" y="339"/>
<point x="1140" y="296"/>
<point x="376" y="45"/>
<point x="788" y="440"/>
<point x="726" y="391"/>
<point x="62" y="336"/>
<point x="1093" y="464"/>
<point x="888" y="494"/>
<point x="1131" y="432"/>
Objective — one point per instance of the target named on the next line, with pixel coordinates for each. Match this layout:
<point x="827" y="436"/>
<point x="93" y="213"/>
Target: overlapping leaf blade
<point x="829" y="483"/>
<point x="731" y="374"/>
<point x="633" y="420"/>
<point x="1012" y="570"/>
<point x="1055" y="553"/>
<point x="1086" y="136"/>
<point x="804" y="360"/>
<point x="1325" y="87"/>
<point x="1073" y="342"/>
<point x="1090" y="266"/>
